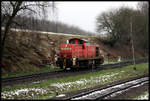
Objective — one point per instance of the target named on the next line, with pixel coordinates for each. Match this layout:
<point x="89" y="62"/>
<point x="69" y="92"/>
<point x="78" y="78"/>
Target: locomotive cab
<point x="78" y="41"/>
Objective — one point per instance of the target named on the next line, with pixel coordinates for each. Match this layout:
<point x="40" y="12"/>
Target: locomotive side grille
<point x="66" y="48"/>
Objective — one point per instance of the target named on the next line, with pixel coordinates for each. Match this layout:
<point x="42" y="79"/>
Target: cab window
<point x="71" y="42"/>
<point x="80" y="42"/>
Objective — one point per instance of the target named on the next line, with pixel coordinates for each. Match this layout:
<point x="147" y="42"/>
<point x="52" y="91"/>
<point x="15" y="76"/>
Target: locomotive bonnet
<point x="78" y="53"/>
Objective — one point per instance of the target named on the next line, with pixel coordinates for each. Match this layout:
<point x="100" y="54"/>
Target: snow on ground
<point x="61" y="95"/>
<point x="144" y="97"/>
<point x="42" y="32"/>
<point x="24" y="93"/>
<point x="81" y="82"/>
<point x="38" y="81"/>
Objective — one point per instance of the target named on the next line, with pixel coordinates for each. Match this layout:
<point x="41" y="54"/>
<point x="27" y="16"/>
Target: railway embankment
<point x="26" y="51"/>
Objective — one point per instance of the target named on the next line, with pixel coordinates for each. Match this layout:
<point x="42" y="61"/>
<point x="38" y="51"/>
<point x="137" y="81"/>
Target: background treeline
<point x="121" y="22"/>
<point x="32" y="23"/>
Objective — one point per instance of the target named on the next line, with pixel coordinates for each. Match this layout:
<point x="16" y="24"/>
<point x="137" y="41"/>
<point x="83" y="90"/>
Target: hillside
<point x="25" y="50"/>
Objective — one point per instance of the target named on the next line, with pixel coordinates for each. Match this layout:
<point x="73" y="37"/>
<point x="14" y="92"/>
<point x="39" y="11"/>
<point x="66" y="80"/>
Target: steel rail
<point x="87" y="95"/>
<point x="103" y="93"/>
<point x="12" y="80"/>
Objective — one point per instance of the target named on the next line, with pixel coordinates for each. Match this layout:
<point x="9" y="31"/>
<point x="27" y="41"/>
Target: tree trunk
<point x="3" y="39"/>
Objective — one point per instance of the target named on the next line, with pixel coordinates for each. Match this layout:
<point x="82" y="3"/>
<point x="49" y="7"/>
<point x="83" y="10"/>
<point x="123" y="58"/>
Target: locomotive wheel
<point x="93" y="64"/>
<point x="89" y="64"/>
<point x="67" y="69"/>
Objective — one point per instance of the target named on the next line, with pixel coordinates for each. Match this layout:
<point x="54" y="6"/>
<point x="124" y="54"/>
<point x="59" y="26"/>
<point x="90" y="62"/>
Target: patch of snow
<point x="61" y="95"/>
<point x="83" y="81"/>
<point x="51" y="42"/>
<point x="122" y="71"/>
<point x="67" y="85"/>
<point x="144" y="97"/>
<point x="23" y="92"/>
<point x="37" y="82"/>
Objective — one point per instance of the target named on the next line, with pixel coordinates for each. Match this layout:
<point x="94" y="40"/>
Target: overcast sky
<point x="83" y="14"/>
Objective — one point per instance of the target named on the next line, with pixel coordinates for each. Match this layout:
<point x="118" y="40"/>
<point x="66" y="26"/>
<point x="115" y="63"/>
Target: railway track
<point x="105" y="92"/>
<point x="59" y="74"/>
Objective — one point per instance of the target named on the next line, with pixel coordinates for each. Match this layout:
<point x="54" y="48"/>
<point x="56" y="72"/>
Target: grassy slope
<point x="27" y="55"/>
<point x="47" y="68"/>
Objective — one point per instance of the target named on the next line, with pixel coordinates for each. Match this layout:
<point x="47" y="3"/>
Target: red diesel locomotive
<point x="78" y="53"/>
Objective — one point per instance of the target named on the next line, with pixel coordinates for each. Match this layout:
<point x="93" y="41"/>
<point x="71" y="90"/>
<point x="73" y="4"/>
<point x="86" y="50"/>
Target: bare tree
<point x="116" y="24"/>
<point x="11" y="9"/>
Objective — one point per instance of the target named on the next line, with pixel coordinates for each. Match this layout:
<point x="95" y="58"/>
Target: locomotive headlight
<point x="74" y="61"/>
<point x="56" y="57"/>
<point x="74" y="58"/>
